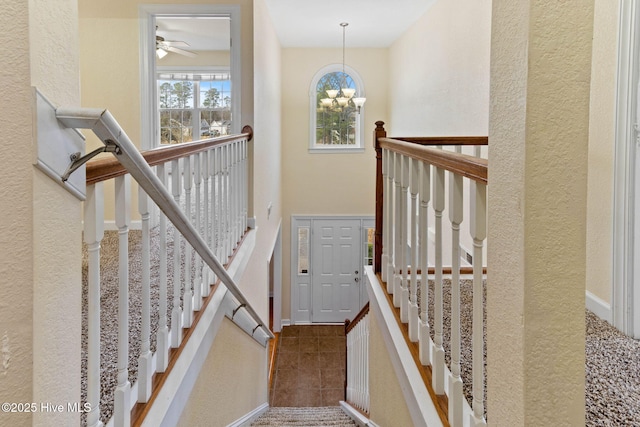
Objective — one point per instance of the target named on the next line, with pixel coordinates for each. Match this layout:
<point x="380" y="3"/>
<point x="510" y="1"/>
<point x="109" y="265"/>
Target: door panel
<point x="335" y="261"/>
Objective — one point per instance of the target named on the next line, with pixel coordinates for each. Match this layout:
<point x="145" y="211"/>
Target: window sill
<point x="336" y="150"/>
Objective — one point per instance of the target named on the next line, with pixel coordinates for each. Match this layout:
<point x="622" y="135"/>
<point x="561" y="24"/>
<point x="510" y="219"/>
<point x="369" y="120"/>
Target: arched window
<point x="336" y="109"/>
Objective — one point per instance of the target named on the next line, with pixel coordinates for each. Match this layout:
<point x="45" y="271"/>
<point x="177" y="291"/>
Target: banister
<point x="445" y="140"/>
<point x="108" y="168"/>
<point x="461" y="164"/>
<point x="350" y="324"/>
<point x="103" y="124"/>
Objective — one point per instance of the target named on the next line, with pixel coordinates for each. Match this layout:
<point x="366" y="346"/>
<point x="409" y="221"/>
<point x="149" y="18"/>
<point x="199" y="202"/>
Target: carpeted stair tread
<point x="304" y="417"/>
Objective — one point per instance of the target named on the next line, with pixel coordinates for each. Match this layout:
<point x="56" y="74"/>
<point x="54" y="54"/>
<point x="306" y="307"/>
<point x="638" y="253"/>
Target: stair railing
<point x="357" y="375"/>
<point x="213" y="228"/>
<point x="410" y="186"/>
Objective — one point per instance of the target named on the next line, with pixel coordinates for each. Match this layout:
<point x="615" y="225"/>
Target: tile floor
<point x="310" y="366"/>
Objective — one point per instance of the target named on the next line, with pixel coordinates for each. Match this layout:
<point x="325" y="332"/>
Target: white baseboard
<point x="247" y="419"/>
<point x="599" y="307"/>
<point x="286" y="322"/>
<point x="355" y="415"/>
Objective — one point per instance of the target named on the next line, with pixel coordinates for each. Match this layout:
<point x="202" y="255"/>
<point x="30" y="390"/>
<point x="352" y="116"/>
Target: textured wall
<point x="538" y="144"/>
<point x="40" y="269"/>
<point x="16" y="209"/>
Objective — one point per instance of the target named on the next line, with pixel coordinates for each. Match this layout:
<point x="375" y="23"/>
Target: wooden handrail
<point x="461" y="164"/>
<point x="350" y="324"/>
<point x="445" y="140"/>
<point x="104" y="169"/>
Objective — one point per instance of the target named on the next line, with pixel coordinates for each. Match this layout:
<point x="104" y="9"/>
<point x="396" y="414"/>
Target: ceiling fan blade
<point x="182" y="51"/>
<point x="176" y="43"/>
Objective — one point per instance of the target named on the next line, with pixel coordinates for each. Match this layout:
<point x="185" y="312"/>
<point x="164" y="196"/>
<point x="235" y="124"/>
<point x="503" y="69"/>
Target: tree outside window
<point x="194" y="108"/>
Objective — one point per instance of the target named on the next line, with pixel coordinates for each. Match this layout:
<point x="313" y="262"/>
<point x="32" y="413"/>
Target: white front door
<point x="336" y="264"/>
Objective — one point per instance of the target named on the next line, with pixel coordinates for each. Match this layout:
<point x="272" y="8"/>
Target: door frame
<point x="625" y="292"/>
<point x="148" y="91"/>
<point x="301" y="300"/>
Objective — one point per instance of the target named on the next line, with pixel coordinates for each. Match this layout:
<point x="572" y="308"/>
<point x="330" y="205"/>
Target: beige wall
<point x="539" y="123"/>
<point x="387" y="404"/>
<point x="326" y="184"/>
<point x="601" y="149"/>
<point x="226" y="389"/>
<point x="40" y="286"/>
<point x="439" y="72"/>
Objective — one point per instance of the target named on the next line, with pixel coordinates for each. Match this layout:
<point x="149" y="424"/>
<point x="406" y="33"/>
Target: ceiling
<point x="372" y="23"/>
<point x="201" y="33"/>
<point x="307" y="23"/>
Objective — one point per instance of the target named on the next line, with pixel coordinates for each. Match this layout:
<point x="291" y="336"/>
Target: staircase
<point x="307" y="417"/>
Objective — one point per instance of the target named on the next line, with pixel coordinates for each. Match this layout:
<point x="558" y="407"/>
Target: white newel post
<point x="478" y="228"/>
<point x="456" y="217"/>
<point x="122" y="395"/>
<point x="425" y="195"/>
<point x="93" y="234"/>
<point x="176" y="314"/>
<point x="438" y="356"/>
<point x="162" y="347"/>
<point x="413" y="294"/>
<point x="404" y="238"/>
<point x="187" y="297"/>
<point x="197" y="284"/>
<point x="145" y="371"/>
<point x="245" y="184"/>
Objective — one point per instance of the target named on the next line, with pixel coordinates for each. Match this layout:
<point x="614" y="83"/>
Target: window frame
<point x="359" y="125"/>
<point x="196" y="108"/>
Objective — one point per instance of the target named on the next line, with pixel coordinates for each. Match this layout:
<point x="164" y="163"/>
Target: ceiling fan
<point x="163" y="47"/>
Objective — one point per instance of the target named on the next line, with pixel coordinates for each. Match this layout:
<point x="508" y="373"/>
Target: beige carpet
<point x="305" y="417"/>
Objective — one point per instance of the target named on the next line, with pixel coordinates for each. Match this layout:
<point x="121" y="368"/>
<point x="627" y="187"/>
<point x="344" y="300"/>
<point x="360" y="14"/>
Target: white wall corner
<point x="599" y="307"/>
<point x="250" y="417"/>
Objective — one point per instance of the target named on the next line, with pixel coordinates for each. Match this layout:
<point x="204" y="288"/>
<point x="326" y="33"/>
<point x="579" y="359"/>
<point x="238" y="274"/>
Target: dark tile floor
<point x="310" y="366"/>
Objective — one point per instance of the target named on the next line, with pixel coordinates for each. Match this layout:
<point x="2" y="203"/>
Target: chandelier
<point x="338" y="99"/>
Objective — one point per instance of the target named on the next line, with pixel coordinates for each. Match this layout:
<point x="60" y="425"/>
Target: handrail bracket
<point x="78" y="160"/>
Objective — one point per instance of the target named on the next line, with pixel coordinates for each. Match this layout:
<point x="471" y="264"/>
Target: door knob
<point x="356" y="279"/>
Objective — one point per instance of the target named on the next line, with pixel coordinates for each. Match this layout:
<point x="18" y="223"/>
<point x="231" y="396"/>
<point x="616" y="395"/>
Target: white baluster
<point x="438" y="356"/>
<point x="220" y="245"/>
<point x="397" y="244"/>
<point x="122" y="395"/>
<point x="478" y="230"/>
<point x="187" y="297"/>
<point x="93" y="234"/>
<point x="176" y="313"/>
<point x="224" y="208"/>
<point x="425" y="195"/>
<point x="235" y="195"/>
<point x="389" y="220"/>
<point x="197" y="284"/>
<point x="213" y="206"/>
<point x="162" y="347"/>
<point x="456" y="218"/>
<point x="245" y="186"/>
<point x="413" y="291"/>
<point x="206" y="271"/>
<point x="404" y="238"/>
<point x="365" y="365"/>
<point x="384" y="259"/>
<point x="145" y="369"/>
